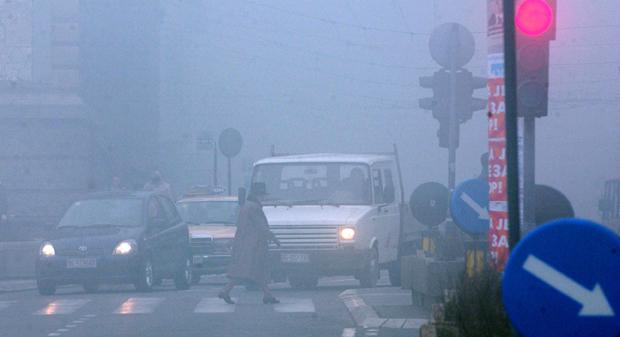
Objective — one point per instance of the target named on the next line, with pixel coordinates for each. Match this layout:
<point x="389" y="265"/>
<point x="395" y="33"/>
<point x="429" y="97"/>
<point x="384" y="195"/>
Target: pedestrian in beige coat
<point x="251" y="247"/>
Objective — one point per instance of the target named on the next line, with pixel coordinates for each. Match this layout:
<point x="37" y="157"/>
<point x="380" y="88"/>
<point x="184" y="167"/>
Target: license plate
<point x="81" y="263"/>
<point x="295" y="258"/>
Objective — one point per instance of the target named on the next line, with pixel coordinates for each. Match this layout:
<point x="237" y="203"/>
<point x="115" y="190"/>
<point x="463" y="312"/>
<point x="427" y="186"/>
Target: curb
<point x="366" y="318"/>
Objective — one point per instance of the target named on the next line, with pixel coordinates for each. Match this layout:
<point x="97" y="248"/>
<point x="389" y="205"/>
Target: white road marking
<point x="214" y="305"/>
<point x="138" y="305"/>
<point x="5" y="304"/>
<point x="62" y="307"/>
<point x="348" y="332"/>
<point x="62" y="330"/>
<point x="295" y="305"/>
<point x="53" y="334"/>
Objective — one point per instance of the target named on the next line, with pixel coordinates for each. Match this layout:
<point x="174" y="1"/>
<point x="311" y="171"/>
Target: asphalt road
<point x="166" y="312"/>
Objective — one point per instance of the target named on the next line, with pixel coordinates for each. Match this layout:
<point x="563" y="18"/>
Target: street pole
<point x="512" y="152"/>
<point x="229" y="176"/>
<point x="215" y="165"/>
<point x="529" y="173"/>
<point x="452" y="133"/>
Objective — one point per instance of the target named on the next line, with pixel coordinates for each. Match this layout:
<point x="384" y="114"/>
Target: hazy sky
<point x="325" y="76"/>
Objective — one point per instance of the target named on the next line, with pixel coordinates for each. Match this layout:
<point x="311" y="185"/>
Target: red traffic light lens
<point x="534" y="17"/>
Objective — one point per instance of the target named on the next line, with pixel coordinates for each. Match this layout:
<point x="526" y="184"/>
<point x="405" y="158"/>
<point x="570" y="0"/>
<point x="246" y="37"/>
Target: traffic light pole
<point x="454" y="123"/>
<point x="512" y="152"/>
<point x="529" y="172"/>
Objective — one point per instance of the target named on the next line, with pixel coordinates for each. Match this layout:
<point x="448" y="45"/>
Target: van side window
<point x="377" y="186"/>
<point x="389" y="191"/>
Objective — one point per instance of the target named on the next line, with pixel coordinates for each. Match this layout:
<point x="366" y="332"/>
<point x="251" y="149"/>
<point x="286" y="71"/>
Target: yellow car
<point x="212" y="226"/>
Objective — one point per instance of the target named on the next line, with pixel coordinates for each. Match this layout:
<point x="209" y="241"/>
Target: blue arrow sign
<point x="563" y="280"/>
<point x="469" y="206"/>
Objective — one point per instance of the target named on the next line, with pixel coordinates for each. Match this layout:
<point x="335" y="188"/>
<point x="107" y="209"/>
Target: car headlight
<point x="125" y="247"/>
<point x="346" y="233"/>
<point x="47" y="250"/>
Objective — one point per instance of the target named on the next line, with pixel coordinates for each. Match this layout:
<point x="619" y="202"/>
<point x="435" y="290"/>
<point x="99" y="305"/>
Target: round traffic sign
<point x="452" y="45"/>
<point x="551" y="204"/>
<point x="429" y="203"/>
<point x="469" y="206"/>
<point x="562" y="280"/>
<point x="230" y="142"/>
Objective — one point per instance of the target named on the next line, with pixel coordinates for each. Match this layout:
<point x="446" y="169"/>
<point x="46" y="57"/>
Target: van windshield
<point x="315" y="183"/>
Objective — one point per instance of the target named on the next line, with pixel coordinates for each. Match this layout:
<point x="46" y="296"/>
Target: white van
<point x="335" y="214"/>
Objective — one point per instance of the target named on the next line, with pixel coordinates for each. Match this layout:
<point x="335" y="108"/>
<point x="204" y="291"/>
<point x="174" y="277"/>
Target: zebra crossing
<point x="147" y="305"/>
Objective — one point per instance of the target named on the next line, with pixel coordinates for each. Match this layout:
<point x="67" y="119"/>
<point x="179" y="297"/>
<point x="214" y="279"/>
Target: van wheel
<point x="370" y="275"/>
<point x="196" y="278"/>
<point x="296" y="281"/>
<point x="311" y="282"/>
<point x="46" y="288"/>
<point x="183" y="279"/>
<point x="394" y="272"/>
<point x="303" y="280"/>
<point x="146" y="277"/>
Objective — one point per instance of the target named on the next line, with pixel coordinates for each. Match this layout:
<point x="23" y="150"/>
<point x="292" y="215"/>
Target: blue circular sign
<point x="563" y="279"/>
<point x="469" y="206"/>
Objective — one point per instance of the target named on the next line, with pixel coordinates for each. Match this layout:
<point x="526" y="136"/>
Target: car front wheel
<point x="146" y="277"/>
<point x="183" y="278"/>
<point x="46" y="288"/>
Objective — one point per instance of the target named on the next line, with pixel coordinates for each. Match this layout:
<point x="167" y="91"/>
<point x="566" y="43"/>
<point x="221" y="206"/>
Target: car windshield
<point x="103" y="212"/>
<point x="315" y="183"/>
<point x="209" y="212"/>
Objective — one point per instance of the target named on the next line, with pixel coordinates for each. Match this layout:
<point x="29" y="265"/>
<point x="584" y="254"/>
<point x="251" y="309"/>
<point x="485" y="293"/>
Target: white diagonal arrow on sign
<point x="593" y="302"/>
<point x="483" y="213"/>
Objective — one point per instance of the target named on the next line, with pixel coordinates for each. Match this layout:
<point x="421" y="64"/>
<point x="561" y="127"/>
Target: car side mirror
<point x="241" y="195"/>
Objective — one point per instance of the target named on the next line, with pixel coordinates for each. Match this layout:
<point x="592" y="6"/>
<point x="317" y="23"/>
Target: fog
<point x="311" y="76"/>
<point x="343" y="76"/>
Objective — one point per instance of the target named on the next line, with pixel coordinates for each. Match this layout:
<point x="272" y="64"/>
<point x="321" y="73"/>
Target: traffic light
<point x="535" y="27"/>
<point x="466" y="83"/>
<point x="443" y="98"/>
<point x="439" y="104"/>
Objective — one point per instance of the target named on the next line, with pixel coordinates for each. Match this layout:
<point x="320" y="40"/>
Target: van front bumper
<point x="210" y="264"/>
<point x="345" y="261"/>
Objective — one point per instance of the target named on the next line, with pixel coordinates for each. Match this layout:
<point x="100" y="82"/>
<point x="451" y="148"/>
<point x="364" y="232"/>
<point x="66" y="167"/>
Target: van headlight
<point x="47" y="250"/>
<point x="125" y="247"/>
<point x="346" y="233"/>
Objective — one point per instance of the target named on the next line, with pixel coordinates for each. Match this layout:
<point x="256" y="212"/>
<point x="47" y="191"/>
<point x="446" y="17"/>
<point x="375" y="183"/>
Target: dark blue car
<point x="123" y="237"/>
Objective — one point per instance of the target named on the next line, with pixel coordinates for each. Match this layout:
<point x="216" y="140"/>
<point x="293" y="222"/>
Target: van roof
<point x="327" y="158"/>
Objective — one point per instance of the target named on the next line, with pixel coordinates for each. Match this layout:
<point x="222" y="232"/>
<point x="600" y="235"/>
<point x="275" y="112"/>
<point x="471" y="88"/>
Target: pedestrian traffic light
<point x="535" y="23"/>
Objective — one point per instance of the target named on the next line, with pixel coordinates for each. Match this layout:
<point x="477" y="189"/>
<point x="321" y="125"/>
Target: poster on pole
<point x="498" y="192"/>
